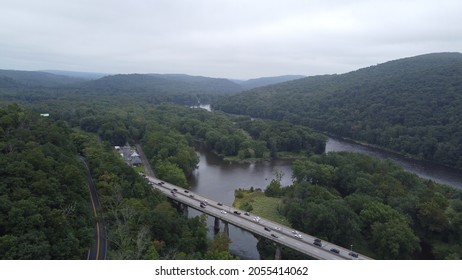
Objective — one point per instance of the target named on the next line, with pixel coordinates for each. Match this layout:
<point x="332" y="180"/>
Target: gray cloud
<point x="229" y="38"/>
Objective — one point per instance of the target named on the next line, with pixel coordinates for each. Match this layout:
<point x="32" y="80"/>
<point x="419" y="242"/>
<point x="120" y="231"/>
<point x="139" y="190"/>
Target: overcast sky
<point x="223" y="38"/>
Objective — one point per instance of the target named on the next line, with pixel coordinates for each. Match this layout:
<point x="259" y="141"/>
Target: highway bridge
<point x="278" y="233"/>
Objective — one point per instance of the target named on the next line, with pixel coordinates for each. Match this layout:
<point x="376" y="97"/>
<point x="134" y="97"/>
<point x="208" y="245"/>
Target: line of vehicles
<point x="204" y="203"/>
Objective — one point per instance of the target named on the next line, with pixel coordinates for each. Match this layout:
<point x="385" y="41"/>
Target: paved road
<point x="281" y="234"/>
<point x="99" y="248"/>
<point x="147" y="166"/>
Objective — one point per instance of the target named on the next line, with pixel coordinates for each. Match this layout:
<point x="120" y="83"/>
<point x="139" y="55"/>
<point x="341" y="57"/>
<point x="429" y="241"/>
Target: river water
<point x="217" y="179"/>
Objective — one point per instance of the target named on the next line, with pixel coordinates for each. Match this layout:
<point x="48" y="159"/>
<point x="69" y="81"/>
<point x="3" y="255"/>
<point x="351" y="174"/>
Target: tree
<point x="171" y="173"/>
<point x="394" y="239"/>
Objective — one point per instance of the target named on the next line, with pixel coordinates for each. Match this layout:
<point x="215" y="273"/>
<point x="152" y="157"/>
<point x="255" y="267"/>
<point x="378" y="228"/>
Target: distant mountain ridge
<point x="58" y="78"/>
<point x="77" y="74"/>
<point x="38" y="79"/>
<point x="265" y="81"/>
<point x="409" y="105"/>
<point x="164" y="83"/>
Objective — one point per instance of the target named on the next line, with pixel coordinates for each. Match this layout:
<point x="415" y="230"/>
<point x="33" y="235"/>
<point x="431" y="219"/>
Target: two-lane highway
<point x="281" y="234"/>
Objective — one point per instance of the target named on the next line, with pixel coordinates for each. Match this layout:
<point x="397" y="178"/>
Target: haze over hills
<point x="37" y="78"/>
<point x="265" y="81"/>
<point x="57" y="78"/>
<point x="77" y="74"/>
<point x="409" y="105"/>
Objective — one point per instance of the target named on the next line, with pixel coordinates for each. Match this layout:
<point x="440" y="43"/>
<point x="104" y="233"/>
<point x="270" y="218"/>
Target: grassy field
<point x="263" y="206"/>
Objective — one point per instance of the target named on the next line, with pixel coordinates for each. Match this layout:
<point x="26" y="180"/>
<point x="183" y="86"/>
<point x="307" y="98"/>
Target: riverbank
<point x="259" y="204"/>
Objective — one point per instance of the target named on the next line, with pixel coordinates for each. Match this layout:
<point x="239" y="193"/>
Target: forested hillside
<point x="410" y="105"/>
<point x="156" y="83"/>
<point x="44" y="199"/>
<point x="175" y="88"/>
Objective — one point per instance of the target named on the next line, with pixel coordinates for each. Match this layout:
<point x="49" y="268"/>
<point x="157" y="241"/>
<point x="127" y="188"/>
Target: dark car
<point x="237" y="212"/>
<point x="186" y="191"/>
<point x="274" y="235"/>
<point x="220" y="204"/>
<point x="335" y="250"/>
<point x="267" y="229"/>
<point x="191" y="196"/>
<point x="317" y="242"/>
<point x="203" y="205"/>
<point x="175" y="190"/>
<point x="353" y="254"/>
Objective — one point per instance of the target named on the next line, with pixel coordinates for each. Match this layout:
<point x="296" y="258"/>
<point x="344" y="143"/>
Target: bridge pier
<point x="182" y="208"/>
<point x="185" y="210"/>
<point x="277" y="254"/>
<point x="226" y="230"/>
<point x="216" y="225"/>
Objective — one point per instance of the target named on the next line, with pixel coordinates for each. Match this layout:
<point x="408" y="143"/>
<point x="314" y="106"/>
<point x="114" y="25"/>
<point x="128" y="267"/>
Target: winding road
<point x="98" y="249"/>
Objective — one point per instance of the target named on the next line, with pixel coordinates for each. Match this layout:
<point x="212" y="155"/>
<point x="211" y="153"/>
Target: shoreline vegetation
<point x="255" y="201"/>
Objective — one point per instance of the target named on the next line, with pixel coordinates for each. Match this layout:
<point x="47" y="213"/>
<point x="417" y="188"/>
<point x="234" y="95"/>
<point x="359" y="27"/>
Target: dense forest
<point x="411" y="106"/>
<point x="44" y="206"/>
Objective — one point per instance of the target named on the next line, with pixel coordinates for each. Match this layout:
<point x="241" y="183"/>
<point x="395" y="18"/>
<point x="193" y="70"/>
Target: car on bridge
<point x="237" y="212"/>
<point x="317" y="242"/>
<point x="267" y="229"/>
<point x="353" y="254"/>
<point x="335" y="250"/>
<point x="223" y="212"/>
<point x="220" y="204"/>
<point x="274" y="235"/>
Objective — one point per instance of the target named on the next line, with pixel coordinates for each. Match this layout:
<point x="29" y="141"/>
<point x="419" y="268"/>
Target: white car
<point x="223" y="212"/>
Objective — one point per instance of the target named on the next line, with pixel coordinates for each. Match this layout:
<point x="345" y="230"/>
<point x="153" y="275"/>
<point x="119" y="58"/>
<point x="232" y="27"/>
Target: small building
<point x="130" y="156"/>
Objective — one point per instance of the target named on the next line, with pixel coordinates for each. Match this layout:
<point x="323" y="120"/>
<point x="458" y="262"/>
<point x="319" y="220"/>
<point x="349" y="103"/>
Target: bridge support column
<point x="226" y="230"/>
<point x="216" y="225"/>
<point x="277" y="254"/>
<point x="185" y="210"/>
